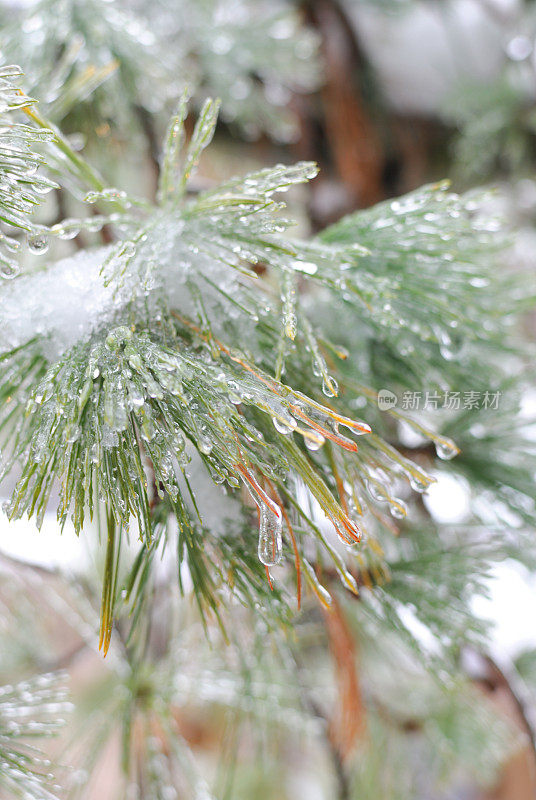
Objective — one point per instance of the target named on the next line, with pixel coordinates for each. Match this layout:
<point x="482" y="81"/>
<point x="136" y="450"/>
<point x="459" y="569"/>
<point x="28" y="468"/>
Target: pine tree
<point x="244" y="421"/>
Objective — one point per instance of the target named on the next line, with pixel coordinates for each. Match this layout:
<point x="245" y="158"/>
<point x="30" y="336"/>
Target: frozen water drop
<point x="376" y="491"/>
<point x="446" y="449"/>
<point x="314" y="441"/>
<point x="270" y="540"/>
<point x="418" y="484"/>
<point x="37" y="243"/>
<point x="9" y="270"/>
<point x="398" y="508"/>
<point x="330" y="387"/>
<point x="284" y="425"/>
<point x="204" y="445"/>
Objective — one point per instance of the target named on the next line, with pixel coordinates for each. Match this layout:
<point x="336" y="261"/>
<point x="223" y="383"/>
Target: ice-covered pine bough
<point x="122" y="354"/>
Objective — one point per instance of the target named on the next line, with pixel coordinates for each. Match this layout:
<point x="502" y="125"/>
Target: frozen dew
<point x="43" y="186"/>
<point x="135" y="396"/>
<point x="10" y="71"/>
<point x="111" y="194"/>
<point x="479" y="283"/>
<point x="233" y="393"/>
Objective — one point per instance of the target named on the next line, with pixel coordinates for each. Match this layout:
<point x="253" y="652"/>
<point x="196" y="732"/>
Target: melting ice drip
<point x="270" y="540"/>
<point x="270" y="547"/>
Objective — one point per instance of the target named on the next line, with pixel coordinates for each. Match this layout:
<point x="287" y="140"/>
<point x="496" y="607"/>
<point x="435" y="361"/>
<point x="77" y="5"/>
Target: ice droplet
<point x="418" y="484"/>
<point x="8" y="270"/>
<point x="270" y="539"/>
<point x="284" y="425"/>
<point x="350" y="534"/>
<point x="446" y="449"/>
<point x="204" y="445"/>
<point x="37" y="243"/>
<point x="330" y="387"/>
<point x="314" y="441"/>
<point x="397" y="508"/>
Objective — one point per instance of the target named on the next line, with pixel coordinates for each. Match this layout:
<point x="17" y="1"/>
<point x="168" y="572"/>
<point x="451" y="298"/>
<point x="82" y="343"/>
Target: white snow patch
<point x="62" y="303"/>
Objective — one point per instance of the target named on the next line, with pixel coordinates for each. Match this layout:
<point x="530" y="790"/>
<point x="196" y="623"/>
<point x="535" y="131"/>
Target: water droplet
<point x="349" y="534"/>
<point x="68" y="232"/>
<point x="418" y="484"/>
<point x="330" y="387"/>
<point x="446" y="449"/>
<point x="397" y="508"/>
<point x="314" y="441"/>
<point x="42" y="186"/>
<point x="270" y="540"/>
<point x="38" y="243"/>
<point x="284" y="425"/>
<point x="376" y="491"/>
<point x="204" y="445"/>
<point x="9" y="270"/>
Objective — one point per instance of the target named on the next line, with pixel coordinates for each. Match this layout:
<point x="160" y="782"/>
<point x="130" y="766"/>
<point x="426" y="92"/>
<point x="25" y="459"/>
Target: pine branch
<point x="146" y="359"/>
<point x="23" y="188"/>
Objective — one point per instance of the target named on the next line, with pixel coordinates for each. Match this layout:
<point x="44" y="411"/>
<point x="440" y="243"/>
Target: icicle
<point x="320" y="591"/>
<point x="329" y="384"/>
<point x="288" y="297"/>
<point x="270" y="540"/>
